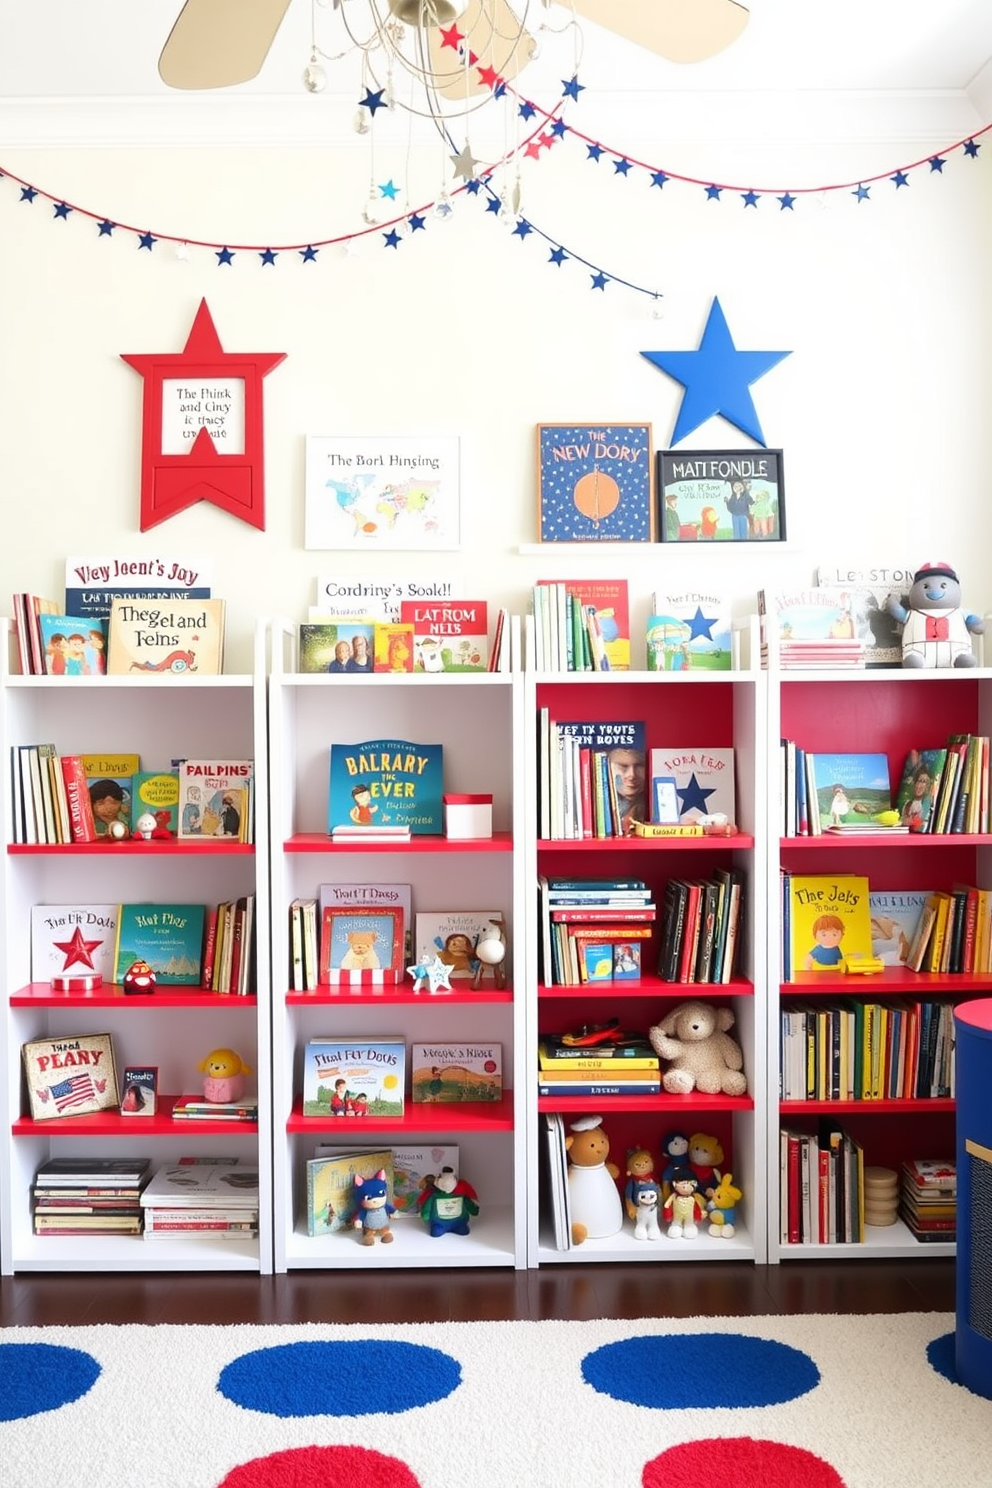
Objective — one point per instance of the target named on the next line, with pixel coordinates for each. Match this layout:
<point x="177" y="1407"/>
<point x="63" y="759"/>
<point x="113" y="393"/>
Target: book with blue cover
<point x="386" y="783"/>
<point x="849" y="789"/>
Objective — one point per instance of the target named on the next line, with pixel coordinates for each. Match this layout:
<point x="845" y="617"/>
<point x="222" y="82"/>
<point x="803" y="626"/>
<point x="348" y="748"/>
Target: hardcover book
<point x="879" y="632"/>
<point x="704" y="779"/>
<point x="451" y="935"/>
<point x="830" y="920"/>
<point x="894" y="918"/>
<point x="73" y="938"/>
<point x="448" y="635"/>
<point x="215" y="798"/>
<point x="70" y="1076"/>
<point x="139" y="1090"/>
<point x="849" y="789"/>
<point x="82" y="826"/>
<point x="916" y="794"/>
<point x="413" y="1169"/>
<point x="157" y="792"/>
<point x="338" y="646"/>
<point x="373" y="896"/>
<point x="168" y="937"/>
<point x="393" y="647"/>
<point x="446" y="1072"/>
<point x="361" y="943"/>
<point x="387" y="783"/>
<point x="73" y="646"/>
<point x="201" y="1182"/>
<point x="354" y="1077"/>
<point x="594" y="483"/>
<point x="331" y="1201"/>
<point x="110" y="782"/>
<point x="689" y="631"/>
<point x="168" y="637"/>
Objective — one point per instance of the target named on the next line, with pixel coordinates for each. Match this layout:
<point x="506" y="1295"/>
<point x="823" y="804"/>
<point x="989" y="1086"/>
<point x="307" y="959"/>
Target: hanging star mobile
<point x="717" y="378"/>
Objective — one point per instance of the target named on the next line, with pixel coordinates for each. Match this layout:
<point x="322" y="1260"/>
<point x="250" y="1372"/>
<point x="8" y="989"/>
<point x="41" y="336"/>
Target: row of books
<point x="176" y="634"/>
<point x="821" y="1187"/>
<point x="355" y="1078"/>
<point x="79" y="798"/>
<point x="576" y="914"/>
<point x="591" y="778"/>
<point x="701" y="937"/>
<point x="581" y="625"/>
<point x="928" y="1198"/>
<point x="947" y="789"/>
<point x="627" y="1067"/>
<point x="215" y="1198"/>
<point x="436" y="635"/>
<point x="901" y="1049"/>
<point x="842" y="622"/>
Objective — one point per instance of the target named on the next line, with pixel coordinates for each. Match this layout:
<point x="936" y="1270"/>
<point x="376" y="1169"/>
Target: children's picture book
<point x="215" y="799"/>
<point x="170" y="637"/>
<point x="393" y="647"/>
<point x="895" y="916"/>
<point x="337" y="646"/>
<point x="594" y="483"/>
<point x="626" y="760"/>
<point x="73" y="645"/>
<point x="830" y="922"/>
<point x="413" y="1169"/>
<point x="199" y="1182"/>
<point x="110" y="782"/>
<point x="607" y="601"/>
<point x="704" y="780"/>
<point x="448" y="635"/>
<point x="371" y="896"/>
<point x="361" y="944"/>
<point x="331" y="1201"/>
<point x="354" y="1077"/>
<point x="880" y="632"/>
<point x="850" y="789"/>
<point x="918" y="787"/>
<point x="139" y="1090"/>
<point x="167" y="937"/>
<point x="91" y="583"/>
<point x="373" y="493"/>
<point x="689" y="632"/>
<point x="343" y="597"/>
<point x="451" y="935"/>
<point x="70" y="1076"/>
<point x="823" y="615"/>
<point x="156" y="792"/>
<point x="387" y="783"/>
<point x="446" y="1072"/>
<point x="721" y="496"/>
<point x="69" y="939"/>
<point x="28" y="609"/>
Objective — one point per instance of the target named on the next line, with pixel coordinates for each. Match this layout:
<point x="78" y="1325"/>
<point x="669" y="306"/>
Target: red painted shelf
<point x="376" y="996"/>
<point x="321" y="842"/>
<point x="900" y="840"/>
<point x="113" y="1124"/>
<point x="893" y="981"/>
<point x="645" y="844"/>
<point x="681" y="1106"/>
<point x="650" y="986"/>
<point x="486" y="1116"/>
<point x="871" y="1108"/>
<point x="112" y="994"/>
<point x="105" y="846"/>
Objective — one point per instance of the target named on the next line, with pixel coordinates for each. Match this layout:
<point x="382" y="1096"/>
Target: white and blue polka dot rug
<point x="773" y="1402"/>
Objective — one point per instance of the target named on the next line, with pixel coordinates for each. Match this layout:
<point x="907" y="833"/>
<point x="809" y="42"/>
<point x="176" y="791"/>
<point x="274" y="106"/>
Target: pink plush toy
<point x="225" y="1075"/>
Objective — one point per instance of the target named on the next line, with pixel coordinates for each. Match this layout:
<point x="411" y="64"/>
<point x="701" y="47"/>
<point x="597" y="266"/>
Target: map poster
<point x="379" y="493"/>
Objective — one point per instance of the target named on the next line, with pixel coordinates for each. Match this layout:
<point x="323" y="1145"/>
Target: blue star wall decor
<point x="716" y="378"/>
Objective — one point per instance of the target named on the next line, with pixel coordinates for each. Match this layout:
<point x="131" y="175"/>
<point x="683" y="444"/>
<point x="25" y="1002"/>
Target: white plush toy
<point x="936" y="631"/>
<point x="701" y="1055"/>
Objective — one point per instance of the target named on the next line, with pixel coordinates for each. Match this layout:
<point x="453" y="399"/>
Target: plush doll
<point x="447" y="1204"/>
<point x="225" y="1075"/>
<point x="721" y="1207"/>
<point x="683" y="1206"/>
<point x="374" y="1208"/>
<point x="640" y="1169"/>
<point x="936" y="631"/>
<point x="674" y="1150"/>
<point x="703" y="1156"/>
<point x="595" y="1203"/>
<point x="646" y="1198"/>
<point x="701" y="1055"/>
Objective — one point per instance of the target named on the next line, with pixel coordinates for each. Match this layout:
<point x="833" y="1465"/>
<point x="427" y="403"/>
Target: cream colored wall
<point x="465" y="329"/>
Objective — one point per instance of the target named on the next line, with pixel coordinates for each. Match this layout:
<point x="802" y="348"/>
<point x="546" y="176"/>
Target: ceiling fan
<point x="220" y="43"/>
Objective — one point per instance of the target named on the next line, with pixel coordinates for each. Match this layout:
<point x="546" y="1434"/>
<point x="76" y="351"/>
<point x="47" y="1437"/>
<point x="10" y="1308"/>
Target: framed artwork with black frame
<point x="735" y="496"/>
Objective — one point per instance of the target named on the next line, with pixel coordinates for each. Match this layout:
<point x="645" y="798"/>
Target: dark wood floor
<point x="568" y="1292"/>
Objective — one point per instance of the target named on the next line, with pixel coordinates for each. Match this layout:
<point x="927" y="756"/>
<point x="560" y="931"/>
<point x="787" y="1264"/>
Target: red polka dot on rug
<point x="740" y="1462"/>
<point x="325" y="1467"/>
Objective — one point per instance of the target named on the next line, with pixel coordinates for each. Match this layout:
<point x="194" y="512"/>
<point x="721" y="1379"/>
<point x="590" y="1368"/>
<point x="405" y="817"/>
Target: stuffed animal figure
<point x="683" y="1206"/>
<point x="721" y="1207"/>
<point x="640" y="1169"/>
<point x="596" y="1208"/>
<point x="447" y="1204"/>
<point x="674" y="1149"/>
<point x="225" y="1075"/>
<point x="646" y="1199"/>
<point x="701" y="1054"/>
<point x="374" y="1208"/>
<point x="703" y="1156"/>
<point x="936" y="631"/>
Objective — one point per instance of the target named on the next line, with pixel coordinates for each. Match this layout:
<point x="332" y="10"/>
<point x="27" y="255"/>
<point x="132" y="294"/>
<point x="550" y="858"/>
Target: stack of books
<point x="628" y="1066"/>
<point x="195" y="1108"/>
<point x="202" y="1198"/>
<point x="810" y="628"/>
<point x="821" y="1190"/>
<point x="593" y="929"/>
<point x="928" y="1197"/>
<point x="89" y="1195"/>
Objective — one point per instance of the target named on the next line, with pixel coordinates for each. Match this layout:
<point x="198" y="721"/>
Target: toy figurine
<point x="447" y="1204"/>
<point x="225" y="1075"/>
<point x="646" y="1196"/>
<point x="640" y="1169"/>
<point x="683" y="1206"/>
<point x="595" y="1203"/>
<point x="674" y="1148"/>
<point x="721" y="1207"/>
<point x="936" y="631"/>
<point x="139" y="978"/>
<point x="144" y="826"/>
<point x="490" y="952"/>
<point x="374" y="1208"/>
<point x="703" y="1157"/>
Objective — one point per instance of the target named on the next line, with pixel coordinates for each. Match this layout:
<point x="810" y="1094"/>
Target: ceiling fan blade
<point x="679" y="30"/>
<point x="217" y="43"/>
<point x="495" y="38"/>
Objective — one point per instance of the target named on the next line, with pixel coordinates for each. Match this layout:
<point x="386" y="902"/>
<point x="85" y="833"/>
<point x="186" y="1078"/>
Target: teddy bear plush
<point x="701" y="1055"/>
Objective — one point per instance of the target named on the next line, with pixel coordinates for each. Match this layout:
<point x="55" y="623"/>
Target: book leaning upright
<point x="171" y="637"/>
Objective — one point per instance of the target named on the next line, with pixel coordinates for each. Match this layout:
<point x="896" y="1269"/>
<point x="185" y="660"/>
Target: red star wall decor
<point x="201" y="427"/>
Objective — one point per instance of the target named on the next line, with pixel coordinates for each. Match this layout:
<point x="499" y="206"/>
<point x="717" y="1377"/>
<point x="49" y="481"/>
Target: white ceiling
<point x="99" y="58"/>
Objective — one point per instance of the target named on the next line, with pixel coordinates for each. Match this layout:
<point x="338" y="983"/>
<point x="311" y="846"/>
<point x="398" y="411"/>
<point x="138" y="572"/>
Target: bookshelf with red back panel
<point x="718" y="710"/>
<point x="890" y="711"/>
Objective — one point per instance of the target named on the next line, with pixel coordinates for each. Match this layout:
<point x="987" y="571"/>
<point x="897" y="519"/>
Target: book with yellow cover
<point x="830" y="922"/>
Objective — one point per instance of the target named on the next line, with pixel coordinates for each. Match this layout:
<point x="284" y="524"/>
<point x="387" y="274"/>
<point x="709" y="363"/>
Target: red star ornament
<point x="78" y="950"/>
<point x="201" y="427"/>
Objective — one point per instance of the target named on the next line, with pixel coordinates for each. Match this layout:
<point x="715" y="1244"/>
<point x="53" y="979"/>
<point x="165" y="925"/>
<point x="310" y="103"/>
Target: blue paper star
<point x="145" y="240"/>
<point x="658" y="178"/>
<point x="936" y="162"/>
<point x="900" y="179"/>
<point x="392" y="239"/>
<point x="372" y="101"/>
<point x="749" y="198"/>
<point x="526" y="110"/>
<point x="28" y="193"/>
<point x="700" y="626"/>
<point x="970" y="148"/>
<point x="105" y="228"/>
<point x="558" y="256"/>
<point x="390" y="189"/>
<point x="862" y="193"/>
<point x="693" y="796"/>
<point x="493" y="204"/>
<point x="594" y="152"/>
<point x="559" y="127"/>
<point x="713" y="193"/>
<point x="62" y="209"/>
<point x="522" y="228"/>
<point x="473" y="187"/>
<point x="785" y="202"/>
<point x="571" y="88"/>
<point x="224" y="256"/>
<point x="716" y="378"/>
<point x="309" y="254"/>
<point x="599" y="280"/>
<point x="416" y="222"/>
<point x="621" y="166"/>
<point x="268" y="256"/>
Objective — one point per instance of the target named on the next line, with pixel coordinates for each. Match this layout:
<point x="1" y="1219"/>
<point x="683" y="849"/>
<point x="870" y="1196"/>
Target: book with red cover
<point x="449" y="635"/>
<point x="81" y="821"/>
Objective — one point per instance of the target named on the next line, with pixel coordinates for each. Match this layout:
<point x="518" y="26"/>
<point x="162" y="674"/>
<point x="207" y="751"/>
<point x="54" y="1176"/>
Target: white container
<point x="468" y="816"/>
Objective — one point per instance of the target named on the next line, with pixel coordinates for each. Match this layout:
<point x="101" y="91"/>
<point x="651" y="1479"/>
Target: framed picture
<point x="338" y="646"/>
<point x="361" y="944"/>
<point x="594" y="483"/>
<point x="665" y="800"/>
<point x="721" y="496"/>
<point x="373" y="494"/>
<point x="70" y="1076"/>
<point x="139" y="1090"/>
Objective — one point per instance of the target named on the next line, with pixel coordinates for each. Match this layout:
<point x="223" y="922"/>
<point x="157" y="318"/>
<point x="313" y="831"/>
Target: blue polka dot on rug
<point x="686" y="1371"/>
<point x="363" y="1377"/>
<point x="39" y="1377"/>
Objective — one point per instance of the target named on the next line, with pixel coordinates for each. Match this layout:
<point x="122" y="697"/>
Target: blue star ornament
<point x="716" y="378"/>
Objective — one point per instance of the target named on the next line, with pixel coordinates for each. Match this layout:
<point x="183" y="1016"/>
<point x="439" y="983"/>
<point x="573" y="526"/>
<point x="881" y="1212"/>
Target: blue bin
<point x="973" y="1293"/>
